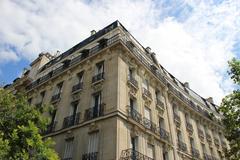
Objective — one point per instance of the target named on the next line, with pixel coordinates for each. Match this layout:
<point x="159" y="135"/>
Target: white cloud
<point x="194" y="47"/>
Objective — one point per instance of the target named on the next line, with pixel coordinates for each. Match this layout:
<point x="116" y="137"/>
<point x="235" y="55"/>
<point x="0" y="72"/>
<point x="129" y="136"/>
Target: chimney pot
<point x="186" y="84"/>
<point x="148" y="49"/>
<point x="210" y="99"/>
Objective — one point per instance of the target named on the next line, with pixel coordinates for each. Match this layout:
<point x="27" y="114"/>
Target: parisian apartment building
<point x="113" y="101"/>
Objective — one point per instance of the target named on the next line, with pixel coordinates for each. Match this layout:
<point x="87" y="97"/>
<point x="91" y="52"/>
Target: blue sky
<point x="192" y="39"/>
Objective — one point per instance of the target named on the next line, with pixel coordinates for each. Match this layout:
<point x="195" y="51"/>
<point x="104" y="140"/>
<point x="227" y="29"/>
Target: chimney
<point x="210" y="99"/>
<point x="186" y="84"/>
<point x="148" y="49"/>
<point x="93" y="32"/>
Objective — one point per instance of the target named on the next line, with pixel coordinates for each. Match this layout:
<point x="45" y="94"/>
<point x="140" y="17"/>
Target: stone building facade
<point x="113" y="101"/>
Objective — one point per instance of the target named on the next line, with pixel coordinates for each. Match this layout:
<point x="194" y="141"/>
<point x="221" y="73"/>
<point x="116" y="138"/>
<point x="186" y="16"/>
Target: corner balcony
<point x="164" y="134"/>
<point x="98" y="78"/>
<point x="135" y="115"/>
<point x="149" y="125"/>
<point x="189" y="127"/>
<point x="177" y="119"/>
<point x="182" y="146"/>
<point x="160" y="104"/>
<point x="132" y="82"/>
<point x="200" y="134"/>
<point x="195" y="152"/>
<point x="130" y="154"/>
<point x="56" y="97"/>
<point x="50" y="128"/>
<point x="77" y="87"/>
<point x="71" y="120"/>
<point x="94" y="112"/>
<point x="90" y="156"/>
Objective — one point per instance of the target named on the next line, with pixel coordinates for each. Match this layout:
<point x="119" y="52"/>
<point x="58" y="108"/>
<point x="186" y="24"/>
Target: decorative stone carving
<point x="93" y="127"/>
<point x="69" y="135"/>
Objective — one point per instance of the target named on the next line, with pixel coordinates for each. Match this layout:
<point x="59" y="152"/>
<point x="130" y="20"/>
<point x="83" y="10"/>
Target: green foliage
<point x="230" y="108"/>
<point x="20" y="126"/>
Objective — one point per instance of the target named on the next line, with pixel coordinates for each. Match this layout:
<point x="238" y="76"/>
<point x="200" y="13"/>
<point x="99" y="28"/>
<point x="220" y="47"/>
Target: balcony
<point x="189" y="127"/>
<point x="90" y="156"/>
<point x="160" y="104"/>
<point x="209" y="138"/>
<point x="130" y="154"/>
<point x="149" y="124"/>
<point x="94" y="112"/>
<point x="195" y="152"/>
<point x="77" y="87"/>
<point x="224" y="145"/>
<point x="50" y="128"/>
<point x="177" y="119"/>
<point x="56" y="97"/>
<point x="98" y="77"/>
<point x="216" y="141"/>
<point x="182" y="146"/>
<point x="133" y="82"/>
<point x="200" y="134"/>
<point x="135" y="115"/>
<point x="164" y="134"/>
<point x="71" y="120"/>
<point x="147" y="94"/>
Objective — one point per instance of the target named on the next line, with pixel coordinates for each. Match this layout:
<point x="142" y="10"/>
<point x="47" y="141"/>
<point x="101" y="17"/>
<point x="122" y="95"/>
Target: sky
<point x="192" y="39"/>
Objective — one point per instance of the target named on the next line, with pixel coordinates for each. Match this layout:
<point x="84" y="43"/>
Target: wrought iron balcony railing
<point x="94" y="112"/>
<point x="71" y="120"/>
<point x="182" y="146"/>
<point x="164" y="134"/>
<point x="130" y="154"/>
<point x="224" y="144"/>
<point x="135" y="115"/>
<point x="177" y="119"/>
<point x="149" y="124"/>
<point x="195" y="152"/>
<point x="209" y="138"/>
<point x="90" y="156"/>
<point x="133" y="82"/>
<point x="50" y="128"/>
<point x="56" y="97"/>
<point x="98" y="77"/>
<point x="147" y="93"/>
<point x="77" y="87"/>
<point x="216" y="141"/>
<point x="189" y="127"/>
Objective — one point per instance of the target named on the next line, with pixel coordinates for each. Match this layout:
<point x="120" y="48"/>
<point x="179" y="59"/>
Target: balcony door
<point x="150" y="151"/>
<point x="53" y="116"/>
<point x="93" y="142"/>
<point x="147" y="113"/>
<point x="99" y="68"/>
<point x="73" y="112"/>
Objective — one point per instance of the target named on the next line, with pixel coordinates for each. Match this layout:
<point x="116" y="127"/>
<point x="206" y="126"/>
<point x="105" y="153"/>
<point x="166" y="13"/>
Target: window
<point x="58" y="89"/>
<point x="147" y="113"/>
<point x="203" y="148"/>
<point x="132" y="104"/>
<point x="29" y="101"/>
<point x="150" y="151"/>
<point x="175" y="110"/>
<point x="93" y="142"/>
<point x="134" y="143"/>
<point x="179" y="135"/>
<point x="187" y="118"/>
<point x="79" y="78"/>
<point x="68" y="152"/>
<point x="130" y="73"/>
<point x="73" y="110"/>
<point x="158" y="94"/>
<point x="192" y="142"/>
<point x="97" y="100"/>
<point x="165" y="155"/>
<point x="161" y="123"/>
<point x="53" y="115"/>
<point x="99" y="68"/>
<point x="42" y="95"/>
<point x="145" y="84"/>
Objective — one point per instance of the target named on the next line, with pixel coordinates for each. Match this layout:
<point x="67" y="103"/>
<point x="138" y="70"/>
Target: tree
<point x="20" y="127"/>
<point x="230" y="108"/>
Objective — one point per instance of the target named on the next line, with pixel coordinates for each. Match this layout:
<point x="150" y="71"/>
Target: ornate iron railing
<point x="77" y="87"/>
<point x="98" y="77"/>
<point x="164" y="134"/>
<point x="56" y="97"/>
<point x="133" y="81"/>
<point x="130" y="154"/>
<point x="94" y="112"/>
<point x="50" y="128"/>
<point x="200" y="134"/>
<point x="182" y="146"/>
<point x="195" y="152"/>
<point x="147" y="93"/>
<point x="160" y="103"/>
<point x="90" y="156"/>
<point x="189" y="127"/>
<point x="71" y="120"/>
<point x="135" y="115"/>
<point x="149" y="124"/>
